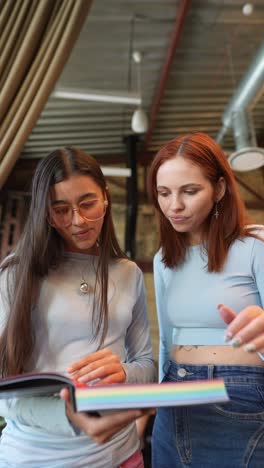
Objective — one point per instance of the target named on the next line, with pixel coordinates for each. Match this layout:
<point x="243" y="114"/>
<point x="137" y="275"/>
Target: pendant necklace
<point x="84" y="287"/>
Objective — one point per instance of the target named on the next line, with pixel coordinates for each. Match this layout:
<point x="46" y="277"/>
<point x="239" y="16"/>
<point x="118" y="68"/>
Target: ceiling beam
<point x="181" y="14"/>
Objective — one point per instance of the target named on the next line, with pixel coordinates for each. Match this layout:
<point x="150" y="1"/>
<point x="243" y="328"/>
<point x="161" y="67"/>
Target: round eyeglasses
<point x="90" y="210"/>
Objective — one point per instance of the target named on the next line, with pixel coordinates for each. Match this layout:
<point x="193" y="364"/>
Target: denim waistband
<point x="250" y="374"/>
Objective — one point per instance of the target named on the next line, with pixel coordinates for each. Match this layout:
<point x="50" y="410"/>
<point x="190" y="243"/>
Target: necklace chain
<point x="84" y="286"/>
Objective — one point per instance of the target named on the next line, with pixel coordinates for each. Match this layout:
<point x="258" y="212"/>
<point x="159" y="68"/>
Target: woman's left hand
<point x="103" y="365"/>
<point x="244" y="329"/>
<point x="102" y="429"/>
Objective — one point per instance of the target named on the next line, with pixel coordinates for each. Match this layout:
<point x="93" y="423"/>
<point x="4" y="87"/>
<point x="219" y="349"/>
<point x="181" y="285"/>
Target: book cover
<point x="36" y="384"/>
<point x="116" y="396"/>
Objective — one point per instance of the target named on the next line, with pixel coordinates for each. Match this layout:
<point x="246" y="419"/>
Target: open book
<point x="116" y="396"/>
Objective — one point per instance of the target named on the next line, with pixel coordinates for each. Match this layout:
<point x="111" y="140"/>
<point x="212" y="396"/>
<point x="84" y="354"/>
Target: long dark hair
<point x="220" y="233"/>
<point x="40" y="248"/>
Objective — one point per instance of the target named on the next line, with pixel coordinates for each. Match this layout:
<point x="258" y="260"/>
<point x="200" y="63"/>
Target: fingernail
<point x="250" y="347"/>
<point x="220" y="306"/>
<point x="83" y="378"/>
<point x="228" y="336"/>
<point x="236" y="342"/>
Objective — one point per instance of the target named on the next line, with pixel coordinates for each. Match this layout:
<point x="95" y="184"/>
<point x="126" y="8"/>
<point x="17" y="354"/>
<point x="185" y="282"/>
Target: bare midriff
<point x="217" y="355"/>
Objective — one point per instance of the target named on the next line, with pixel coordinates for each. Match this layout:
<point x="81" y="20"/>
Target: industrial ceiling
<point x="194" y="55"/>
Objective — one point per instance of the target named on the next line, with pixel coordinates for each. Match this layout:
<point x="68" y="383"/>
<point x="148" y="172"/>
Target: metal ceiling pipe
<point x="247" y="93"/>
<point x="243" y="129"/>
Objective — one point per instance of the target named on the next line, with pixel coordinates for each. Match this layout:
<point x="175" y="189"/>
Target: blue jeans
<point x="228" y="435"/>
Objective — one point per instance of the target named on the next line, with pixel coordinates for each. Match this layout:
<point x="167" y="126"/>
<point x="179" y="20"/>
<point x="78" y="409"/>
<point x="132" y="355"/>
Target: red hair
<point x="219" y="234"/>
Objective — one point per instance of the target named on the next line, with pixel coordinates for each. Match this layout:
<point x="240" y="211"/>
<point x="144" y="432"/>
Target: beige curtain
<point x="36" y="38"/>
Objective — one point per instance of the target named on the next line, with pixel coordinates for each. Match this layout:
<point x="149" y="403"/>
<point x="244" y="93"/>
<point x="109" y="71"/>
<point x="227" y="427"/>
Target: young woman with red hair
<point x="209" y="284"/>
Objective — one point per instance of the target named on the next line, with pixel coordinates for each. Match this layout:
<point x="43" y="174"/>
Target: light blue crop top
<point x="187" y="296"/>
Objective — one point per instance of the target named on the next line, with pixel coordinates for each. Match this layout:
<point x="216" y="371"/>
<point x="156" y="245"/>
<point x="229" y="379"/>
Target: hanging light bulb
<point x="139" y="122"/>
<point x="247" y="9"/>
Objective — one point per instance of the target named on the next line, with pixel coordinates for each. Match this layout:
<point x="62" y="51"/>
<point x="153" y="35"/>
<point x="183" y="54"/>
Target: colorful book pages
<point x="150" y="395"/>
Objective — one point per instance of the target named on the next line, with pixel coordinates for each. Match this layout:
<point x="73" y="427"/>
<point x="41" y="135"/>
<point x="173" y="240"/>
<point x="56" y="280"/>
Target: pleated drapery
<point x="36" y="38"/>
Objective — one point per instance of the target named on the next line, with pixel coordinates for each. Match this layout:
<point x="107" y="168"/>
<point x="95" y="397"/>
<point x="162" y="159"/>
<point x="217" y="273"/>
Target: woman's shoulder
<point x="253" y="239"/>
<point x="126" y="265"/>
<point x="158" y="256"/>
<point x="126" y="273"/>
<point x="8" y="261"/>
<point x="7" y="266"/>
<point x="255" y="234"/>
<point x="257" y="229"/>
<point x="158" y="263"/>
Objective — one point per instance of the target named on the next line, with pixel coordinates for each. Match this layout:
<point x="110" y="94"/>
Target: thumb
<point x="226" y="313"/>
<point x="65" y="395"/>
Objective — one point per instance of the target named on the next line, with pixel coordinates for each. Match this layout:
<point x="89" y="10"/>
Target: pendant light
<point x="248" y="156"/>
<point x="139" y="122"/>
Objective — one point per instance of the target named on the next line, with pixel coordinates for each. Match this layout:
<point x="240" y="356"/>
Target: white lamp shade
<point x="247" y="159"/>
<point x="139" y="123"/>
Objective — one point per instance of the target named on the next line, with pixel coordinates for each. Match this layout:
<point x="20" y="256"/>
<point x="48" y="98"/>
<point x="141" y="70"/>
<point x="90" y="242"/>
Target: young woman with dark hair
<point x="68" y="292"/>
<point x="208" y="273"/>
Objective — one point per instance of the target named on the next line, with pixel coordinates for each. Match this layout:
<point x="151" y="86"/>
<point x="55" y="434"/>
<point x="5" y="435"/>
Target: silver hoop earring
<point x="216" y="213"/>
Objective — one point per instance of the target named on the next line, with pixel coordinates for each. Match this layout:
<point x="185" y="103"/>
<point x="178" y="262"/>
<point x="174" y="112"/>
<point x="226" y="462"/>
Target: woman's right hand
<point x="244" y="329"/>
<point x="102" y="428"/>
<point x="102" y="366"/>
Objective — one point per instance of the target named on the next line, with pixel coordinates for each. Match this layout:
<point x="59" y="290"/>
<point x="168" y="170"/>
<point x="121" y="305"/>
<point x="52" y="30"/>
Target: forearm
<point x="139" y="366"/>
<point x="142" y="370"/>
